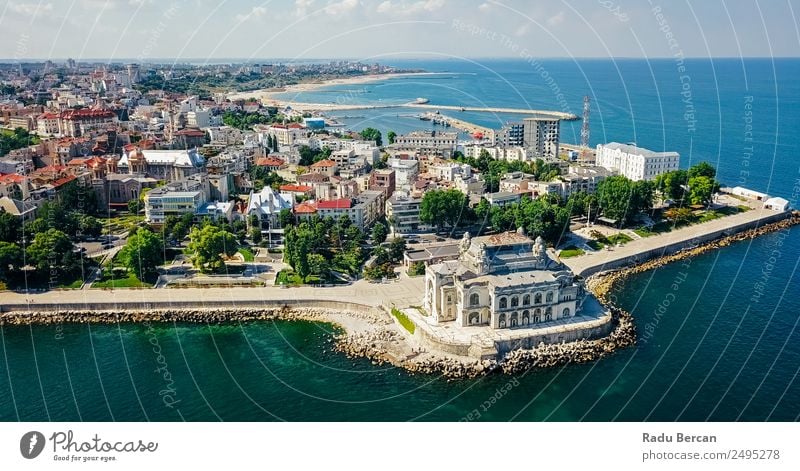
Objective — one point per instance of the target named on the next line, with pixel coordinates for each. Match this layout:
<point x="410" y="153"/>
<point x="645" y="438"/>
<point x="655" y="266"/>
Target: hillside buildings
<point x="502" y="281"/>
<point x="636" y="163"/>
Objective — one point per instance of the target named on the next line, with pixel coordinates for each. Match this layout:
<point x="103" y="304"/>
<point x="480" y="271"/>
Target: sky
<point x="379" y="30"/>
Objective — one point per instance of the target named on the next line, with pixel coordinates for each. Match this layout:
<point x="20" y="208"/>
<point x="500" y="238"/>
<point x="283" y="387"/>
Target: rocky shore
<point x="602" y="283"/>
<point x="348" y="320"/>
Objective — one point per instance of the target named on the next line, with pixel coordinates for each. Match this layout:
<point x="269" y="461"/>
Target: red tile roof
<point x="85" y="113"/>
<point x="343" y="203"/>
<point x="306" y="207"/>
<point x="12" y="178"/>
<point x="269" y="162"/>
<point x="324" y="163"/>
<point x="296" y="188"/>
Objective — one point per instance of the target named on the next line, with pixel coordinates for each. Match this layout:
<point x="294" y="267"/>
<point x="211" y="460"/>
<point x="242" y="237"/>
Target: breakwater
<point x="602" y="283"/>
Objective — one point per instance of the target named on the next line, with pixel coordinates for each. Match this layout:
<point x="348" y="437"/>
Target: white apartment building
<point x="636" y="163"/>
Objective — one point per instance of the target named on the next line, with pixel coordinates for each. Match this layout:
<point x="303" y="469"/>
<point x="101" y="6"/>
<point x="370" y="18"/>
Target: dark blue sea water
<point x="719" y="338"/>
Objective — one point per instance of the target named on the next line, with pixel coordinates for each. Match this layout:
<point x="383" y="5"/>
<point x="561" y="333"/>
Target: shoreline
<point x="372" y="333"/>
<point x="270" y="94"/>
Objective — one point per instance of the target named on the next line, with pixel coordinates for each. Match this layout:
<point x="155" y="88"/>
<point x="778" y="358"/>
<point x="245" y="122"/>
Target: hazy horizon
<point x="370" y="30"/>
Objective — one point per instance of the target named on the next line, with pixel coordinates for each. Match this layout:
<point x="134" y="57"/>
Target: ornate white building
<point x="503" y="281"/>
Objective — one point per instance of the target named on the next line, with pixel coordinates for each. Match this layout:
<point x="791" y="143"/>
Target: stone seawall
<point x="602" y="283"/>
<point x="699" y="239"/>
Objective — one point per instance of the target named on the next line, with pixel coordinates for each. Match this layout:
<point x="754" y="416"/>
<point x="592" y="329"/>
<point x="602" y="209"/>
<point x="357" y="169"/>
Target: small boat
<point x="421" y="101"/>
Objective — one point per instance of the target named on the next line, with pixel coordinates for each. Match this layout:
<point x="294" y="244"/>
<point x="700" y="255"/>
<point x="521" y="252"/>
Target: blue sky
<point x="383" y="29"/>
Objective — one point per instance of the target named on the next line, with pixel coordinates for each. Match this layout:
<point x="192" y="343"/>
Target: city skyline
<point x="145" y="31"/>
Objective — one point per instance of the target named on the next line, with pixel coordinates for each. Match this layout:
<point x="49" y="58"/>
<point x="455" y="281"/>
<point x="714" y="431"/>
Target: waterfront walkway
<point x="403" y="292"/>
<point x="669" y="242"/>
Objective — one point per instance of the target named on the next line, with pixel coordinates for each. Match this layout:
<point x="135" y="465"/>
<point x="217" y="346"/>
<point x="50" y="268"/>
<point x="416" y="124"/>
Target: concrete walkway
<point x="403" y="292"/>
<point x="670" y="242"/>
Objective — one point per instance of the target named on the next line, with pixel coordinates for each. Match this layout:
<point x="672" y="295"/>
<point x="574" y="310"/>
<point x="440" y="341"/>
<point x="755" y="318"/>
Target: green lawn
<point x="619" y="238"/>
<point x="596" y="245"/>
<point x="247" y="254"/>
<point x="74" y="285"/>
<point x="121" y="223"/>
<point x="644" y="232"/>
<point x="407" y="323"/>
<point x="571" y="251"/>
<point x="118" y="281"/>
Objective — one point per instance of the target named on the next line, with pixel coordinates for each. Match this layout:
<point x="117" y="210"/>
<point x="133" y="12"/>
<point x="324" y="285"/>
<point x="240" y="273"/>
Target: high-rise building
<point x="133" y="73"/>
<point x="540" y="136"/>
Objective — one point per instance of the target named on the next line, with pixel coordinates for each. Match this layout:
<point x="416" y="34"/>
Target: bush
<point x="416" y="269"/>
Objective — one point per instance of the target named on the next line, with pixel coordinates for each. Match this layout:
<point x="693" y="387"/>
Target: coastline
<point x="373" y="333"/>
<point x="271" y="94"/>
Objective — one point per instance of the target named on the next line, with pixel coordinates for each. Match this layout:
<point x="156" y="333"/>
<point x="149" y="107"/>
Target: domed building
<point x="502" y="281"/>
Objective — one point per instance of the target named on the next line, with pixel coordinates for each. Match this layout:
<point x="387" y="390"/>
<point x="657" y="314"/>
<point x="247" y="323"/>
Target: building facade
<point x="501" y="281"/>
<point x="636" y="163"/>
<point x="541" y="136"/>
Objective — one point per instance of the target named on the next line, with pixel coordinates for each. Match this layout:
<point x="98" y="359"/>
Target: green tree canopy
<point x="142" y="253"/>
<point x="391" y="136"/>
<point x="379" y="233"/>
<point x="621" y="199"/>
<point x="52" y="251"/>
<point x="702" y="169"/>
<point x="371" y="134"/>
<point x="208" y="245"/>
<point x="11" y="259"/>
<point x="701" y="189"/>
<point x="443" y="207"/>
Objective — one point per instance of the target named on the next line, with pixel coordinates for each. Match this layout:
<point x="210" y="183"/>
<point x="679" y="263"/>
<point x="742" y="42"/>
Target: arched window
<point x="537" y="298"/>
<point x="503" y="303"/>
<point x="549" y="297"/>
<point x="526" y="317"/>
<point x="548" y="314"/>
<point x="514" y="301"/>
<point x="474" y="318"/>
<point x="526" y="299"/>
<point x="502" y="320"/>
<point x="514" y="319"/>
<point x="565" y="312"/>
<point x="474" y="299"/>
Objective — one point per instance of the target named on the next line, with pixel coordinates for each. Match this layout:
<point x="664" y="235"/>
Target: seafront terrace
<point x="666" y="243"/>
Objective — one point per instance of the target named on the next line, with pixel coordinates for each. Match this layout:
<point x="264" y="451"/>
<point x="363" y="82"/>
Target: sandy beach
<point x="270" y="95"/>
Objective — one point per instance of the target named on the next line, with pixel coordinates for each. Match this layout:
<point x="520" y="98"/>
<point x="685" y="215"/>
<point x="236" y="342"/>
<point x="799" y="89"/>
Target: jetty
<point x="466" y="126"/>
<point x="310" y="107"/>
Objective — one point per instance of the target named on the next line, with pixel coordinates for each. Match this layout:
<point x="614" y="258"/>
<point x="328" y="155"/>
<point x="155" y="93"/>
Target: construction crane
<point x="585" y="129"/>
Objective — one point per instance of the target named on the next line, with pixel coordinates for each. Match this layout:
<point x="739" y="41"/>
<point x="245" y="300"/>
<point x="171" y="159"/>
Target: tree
<point x="317" y="265"/>
<point x="89" y="226"/>
<point x="52" y="251"/>
<point x="701" y="188"/>
<point x="442" y="207"/>
<point x="371" y="134"/>
<point x="621" y="199"/>
<point x="11" y="259"/>
<point x="390" y="136"/>
<point x="702" y="169"/>
<point x="142" y="253"/>
<point x="678" y="215"/>
<point x="379" y="233"/>
<point x="9" y="227"/>
<point x="209" y="244"/>
<point x="397" y="248"/>
<point x="671" y="184"/>
<point x="286" y="217"/>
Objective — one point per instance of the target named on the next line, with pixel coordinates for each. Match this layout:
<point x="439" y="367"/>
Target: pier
<point x="303" y="107"/>
<point x="460" y="124"/>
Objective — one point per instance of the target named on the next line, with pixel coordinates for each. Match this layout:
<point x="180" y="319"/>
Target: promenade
<point x="403" y="292"/>
<point x="645" y="248"/>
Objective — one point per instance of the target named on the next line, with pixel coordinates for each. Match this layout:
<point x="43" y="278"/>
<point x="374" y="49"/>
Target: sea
<point x="718" y="334"/>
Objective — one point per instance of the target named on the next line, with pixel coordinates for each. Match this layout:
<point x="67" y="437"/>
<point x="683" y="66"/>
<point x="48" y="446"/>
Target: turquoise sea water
<point x="715" y="344"/>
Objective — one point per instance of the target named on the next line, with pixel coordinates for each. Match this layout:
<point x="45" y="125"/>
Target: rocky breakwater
<point x="359" y="319"/>
<point x="389" y="346"/>
<point x="603" y="283"/>
<point x="579" y="351"/>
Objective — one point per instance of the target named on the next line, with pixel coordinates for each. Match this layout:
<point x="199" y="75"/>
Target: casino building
<point x="504" y="281"/>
